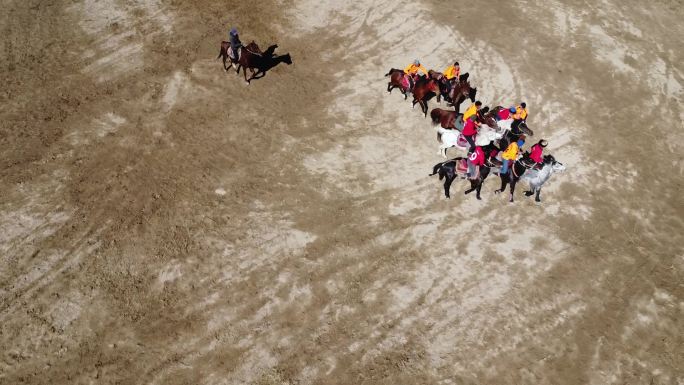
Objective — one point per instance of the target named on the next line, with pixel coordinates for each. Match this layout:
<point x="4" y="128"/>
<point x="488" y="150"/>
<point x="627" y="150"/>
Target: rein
<point x="252" y="52"/>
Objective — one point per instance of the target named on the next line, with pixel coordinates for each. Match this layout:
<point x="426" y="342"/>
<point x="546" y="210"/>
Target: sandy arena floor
<point x="163" y="223"/>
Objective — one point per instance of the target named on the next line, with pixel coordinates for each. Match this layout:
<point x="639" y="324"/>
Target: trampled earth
<point x="162" y="222"/>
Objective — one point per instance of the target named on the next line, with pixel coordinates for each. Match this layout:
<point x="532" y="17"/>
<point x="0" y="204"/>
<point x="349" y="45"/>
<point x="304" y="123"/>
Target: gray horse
<point x="537" y="178"/>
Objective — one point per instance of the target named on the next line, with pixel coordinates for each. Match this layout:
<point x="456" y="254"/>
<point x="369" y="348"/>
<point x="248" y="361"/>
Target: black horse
<point x="519" y="130"/>
<point x="448" y="171"/>
<point x="515" y="172"/>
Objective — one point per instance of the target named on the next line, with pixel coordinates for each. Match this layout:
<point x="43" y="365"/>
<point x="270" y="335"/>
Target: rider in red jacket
<point x="475" y="160"/>
<point x="536" y="154"/>
<point x="470" y="130"/>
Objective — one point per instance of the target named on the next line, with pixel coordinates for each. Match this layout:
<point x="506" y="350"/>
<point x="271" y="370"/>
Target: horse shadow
<point x="252" y="58"/>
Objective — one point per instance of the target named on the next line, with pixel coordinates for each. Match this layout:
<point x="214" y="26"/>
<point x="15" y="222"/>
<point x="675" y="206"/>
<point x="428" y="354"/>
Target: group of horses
<point x="252" y="58"/>
<point x="494" y="135"/>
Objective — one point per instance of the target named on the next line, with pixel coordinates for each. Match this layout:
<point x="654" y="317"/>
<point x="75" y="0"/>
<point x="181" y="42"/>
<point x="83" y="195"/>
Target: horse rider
<point x="412" y="70"/>
<point x="470" y="130"/>
<point x="475" y="160"/>
<point x="451" y="74"/>
<point x="510" y="155"/>
<point x="505" y="113"/>
<point x="472" y="110"/>
<point x="235" y="43"/>
<point x="537" y="152"/>
<point x="520" y="112"/>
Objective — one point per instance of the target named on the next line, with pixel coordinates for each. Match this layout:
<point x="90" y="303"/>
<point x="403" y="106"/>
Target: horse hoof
<point x="497" y="191"/>
<point x="478" y="198"/>
<point x="537" y="200"/>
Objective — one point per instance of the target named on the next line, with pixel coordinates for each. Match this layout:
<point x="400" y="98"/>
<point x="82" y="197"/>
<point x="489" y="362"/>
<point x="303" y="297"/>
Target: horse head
<point x="472" y="91"/>
<point x="556" y="166"/>
<point x="523" y="127"/>
<point x="253" y="47"/>
<point x="270" y="50"/>
<point x="286" y="58"/>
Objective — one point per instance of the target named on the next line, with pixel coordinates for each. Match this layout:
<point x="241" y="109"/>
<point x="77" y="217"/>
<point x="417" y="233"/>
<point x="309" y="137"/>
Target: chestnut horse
<point x="397" y="81"/>
<point x="423" y="91"/>
<point x="460" y="92"/>
<point x="258" y="62"/>
<point x="447" y="119"/>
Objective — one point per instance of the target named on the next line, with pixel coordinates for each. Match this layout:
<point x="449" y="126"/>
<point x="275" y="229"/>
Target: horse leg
<point x="424" y="106"/>
<point x="513" y="183"/>
<point x="389" y="87"/>
<point x="504" y="182"/>
<point x="537" y="198"/>
<point x="447" y="185"/>
<point x="479" y="188"/>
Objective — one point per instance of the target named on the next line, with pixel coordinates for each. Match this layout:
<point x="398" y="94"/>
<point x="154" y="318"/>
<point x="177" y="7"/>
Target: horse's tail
<point x="436" y="169"/>
<point x="436" y="115"/>
<point x="222" y="50"/>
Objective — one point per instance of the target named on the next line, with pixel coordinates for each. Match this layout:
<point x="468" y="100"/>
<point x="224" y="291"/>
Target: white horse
<point x="453" y="138"/>
<point x="537" y="178"/>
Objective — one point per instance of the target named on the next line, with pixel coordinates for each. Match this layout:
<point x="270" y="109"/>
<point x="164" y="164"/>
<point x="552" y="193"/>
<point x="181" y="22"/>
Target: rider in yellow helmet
<point x="412" y="71"/>
<point x="413" y="68"/>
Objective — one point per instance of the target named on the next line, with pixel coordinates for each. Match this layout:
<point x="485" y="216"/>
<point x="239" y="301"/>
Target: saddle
<point x="231" y="54"/>
<point x="461" y="141"/>
<point x="461" y="166"/>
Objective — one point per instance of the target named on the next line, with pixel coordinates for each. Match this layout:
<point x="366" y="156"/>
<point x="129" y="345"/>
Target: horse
<point x="452" y="138"/>
<point x="397" y="81"/>
<point x="252" y="58"/>
<point x="423" y="91"/>
<point x="537" y="178"/>
<point x="447" y="119"/>
<point x="223" y="53"/>
<point x="518" y="170"/>
<point x="462" y="91"/>
<point x="456" y="167"/>
<point x="513" y="130"/>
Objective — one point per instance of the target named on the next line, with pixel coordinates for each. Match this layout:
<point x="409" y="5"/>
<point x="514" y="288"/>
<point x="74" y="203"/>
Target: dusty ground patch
<point x="161" y="222"/>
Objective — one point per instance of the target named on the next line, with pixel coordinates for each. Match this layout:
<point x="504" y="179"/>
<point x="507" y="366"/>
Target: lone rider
<point x="510" y="155"/>
<point x="412" y="70"/>
<point x="235" y="43"/>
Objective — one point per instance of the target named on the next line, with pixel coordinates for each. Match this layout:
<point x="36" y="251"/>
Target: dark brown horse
<point x="259" y="62"/>
<point x="447" y="119"/>
<point x="397" y="81"/>
<point x="423" y="91"/>
<point x="460" y="92"/>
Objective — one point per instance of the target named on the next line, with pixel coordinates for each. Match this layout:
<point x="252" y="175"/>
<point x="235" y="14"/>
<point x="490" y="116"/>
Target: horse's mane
<point x="253" y="48"/>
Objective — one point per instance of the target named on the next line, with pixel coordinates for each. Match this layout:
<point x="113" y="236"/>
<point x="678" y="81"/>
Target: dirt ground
<point x="163" y="223"/>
